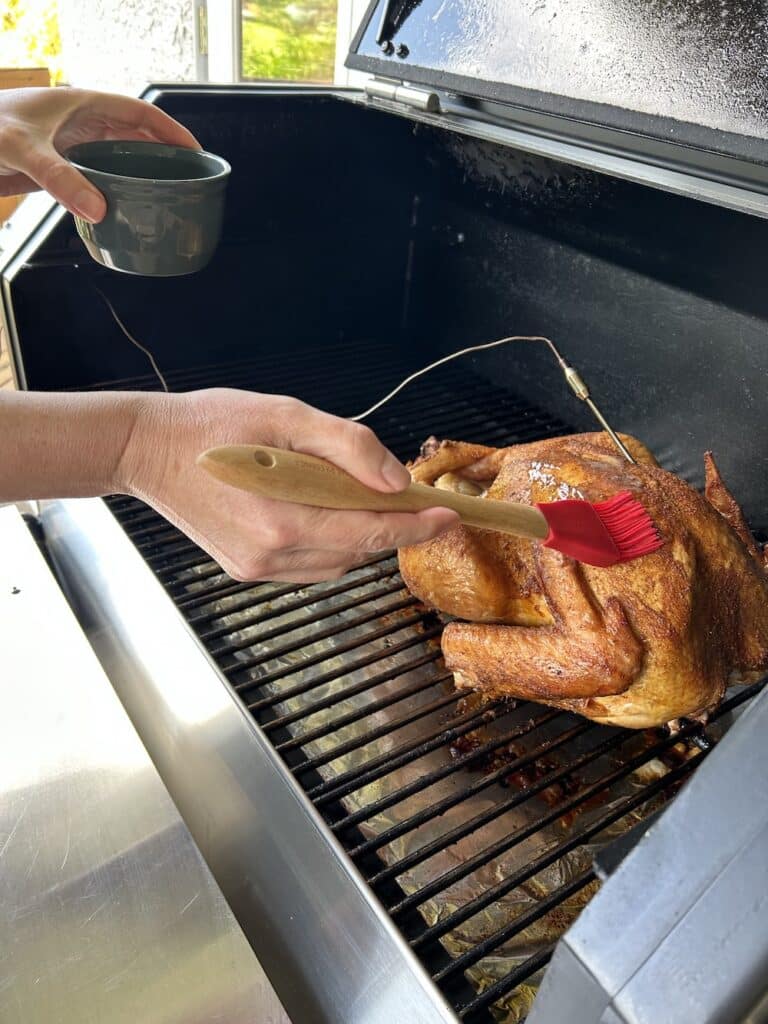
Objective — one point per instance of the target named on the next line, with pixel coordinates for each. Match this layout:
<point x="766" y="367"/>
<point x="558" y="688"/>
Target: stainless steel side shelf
<point x="108" y="911"/>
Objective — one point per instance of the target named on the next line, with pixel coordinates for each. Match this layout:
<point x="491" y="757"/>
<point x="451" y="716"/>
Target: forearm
<point x="147" y="445"/>
<point x="64" y="445"/>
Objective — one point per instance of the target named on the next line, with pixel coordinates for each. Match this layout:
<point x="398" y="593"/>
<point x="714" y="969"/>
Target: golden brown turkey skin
<point x="636" y="644"/>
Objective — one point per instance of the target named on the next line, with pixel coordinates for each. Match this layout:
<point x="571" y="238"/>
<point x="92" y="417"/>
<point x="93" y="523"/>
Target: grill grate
<point x="473" y="823"/>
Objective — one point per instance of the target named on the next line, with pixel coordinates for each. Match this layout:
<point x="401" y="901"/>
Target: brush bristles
<point x="631" y="528"/>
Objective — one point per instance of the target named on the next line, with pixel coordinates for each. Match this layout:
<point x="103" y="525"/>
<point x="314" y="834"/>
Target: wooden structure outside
<point x="6" y="380"/>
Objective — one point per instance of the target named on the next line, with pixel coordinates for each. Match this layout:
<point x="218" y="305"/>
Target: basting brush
<point x="601" y="534"/>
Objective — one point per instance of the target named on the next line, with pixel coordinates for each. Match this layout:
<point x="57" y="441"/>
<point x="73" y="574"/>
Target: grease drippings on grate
<point x="475" y="823"/>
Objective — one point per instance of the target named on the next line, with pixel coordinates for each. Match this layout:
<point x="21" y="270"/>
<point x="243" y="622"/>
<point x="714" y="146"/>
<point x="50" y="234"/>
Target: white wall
<point x="122" y="45"/>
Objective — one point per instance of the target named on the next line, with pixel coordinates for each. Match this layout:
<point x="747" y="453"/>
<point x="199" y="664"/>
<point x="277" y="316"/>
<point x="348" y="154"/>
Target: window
<point x="289" y="40"/>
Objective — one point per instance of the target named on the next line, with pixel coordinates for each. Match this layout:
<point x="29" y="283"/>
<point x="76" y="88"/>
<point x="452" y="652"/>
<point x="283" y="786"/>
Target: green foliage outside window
<point x="29" y="35"/>
<point x="289" y="40"/>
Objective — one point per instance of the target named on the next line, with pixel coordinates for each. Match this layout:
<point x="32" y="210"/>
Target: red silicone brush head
<point x="611" y="531"/>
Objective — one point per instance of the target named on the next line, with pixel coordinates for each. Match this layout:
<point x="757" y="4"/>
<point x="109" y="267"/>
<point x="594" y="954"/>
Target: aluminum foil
<point x="301" y="642"/>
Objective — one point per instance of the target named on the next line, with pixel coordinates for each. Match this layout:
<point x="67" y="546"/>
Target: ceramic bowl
<point x="165" y="206"/>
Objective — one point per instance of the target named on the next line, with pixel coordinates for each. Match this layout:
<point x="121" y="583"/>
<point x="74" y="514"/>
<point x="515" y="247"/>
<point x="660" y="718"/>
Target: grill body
<point x="391" y="852"/>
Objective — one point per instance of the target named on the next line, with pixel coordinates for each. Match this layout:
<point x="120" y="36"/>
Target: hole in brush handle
<point x="265" y="459"/>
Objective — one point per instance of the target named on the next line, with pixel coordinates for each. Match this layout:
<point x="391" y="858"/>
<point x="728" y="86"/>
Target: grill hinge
<point x="395" y="92"/>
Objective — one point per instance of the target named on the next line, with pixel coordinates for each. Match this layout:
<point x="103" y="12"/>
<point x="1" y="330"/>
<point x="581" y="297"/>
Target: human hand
<point x="256" y="538"/>
<point x="37" y="125"/>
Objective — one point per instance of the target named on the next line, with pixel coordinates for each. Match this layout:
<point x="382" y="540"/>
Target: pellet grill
<point x="393" y="851"/>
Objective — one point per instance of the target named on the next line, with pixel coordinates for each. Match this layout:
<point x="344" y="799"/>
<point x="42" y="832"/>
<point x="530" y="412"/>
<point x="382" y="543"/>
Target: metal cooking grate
<point x="474" y="823"/>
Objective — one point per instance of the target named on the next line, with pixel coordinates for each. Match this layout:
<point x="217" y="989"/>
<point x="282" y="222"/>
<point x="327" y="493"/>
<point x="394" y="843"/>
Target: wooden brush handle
<point x="292" y="476"/>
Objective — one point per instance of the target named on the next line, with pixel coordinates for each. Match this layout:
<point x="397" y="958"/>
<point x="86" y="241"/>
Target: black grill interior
<point x="345" y="223"/>
<point x="346" y="680"/>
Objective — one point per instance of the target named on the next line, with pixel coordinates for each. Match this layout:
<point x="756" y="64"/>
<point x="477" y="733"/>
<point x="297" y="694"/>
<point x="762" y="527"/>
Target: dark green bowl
<point x="164" y="206"/>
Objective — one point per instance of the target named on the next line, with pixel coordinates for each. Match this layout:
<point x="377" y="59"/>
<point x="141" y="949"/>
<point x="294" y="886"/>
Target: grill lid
<point x="612" y="73"/>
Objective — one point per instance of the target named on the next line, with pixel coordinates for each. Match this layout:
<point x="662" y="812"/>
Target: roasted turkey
<point x="638" y="644"/>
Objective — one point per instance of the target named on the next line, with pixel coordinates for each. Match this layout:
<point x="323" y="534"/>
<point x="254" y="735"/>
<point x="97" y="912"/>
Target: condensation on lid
<point x="699" y="61"/>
